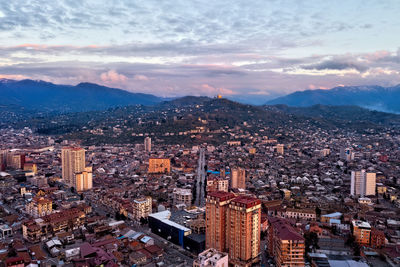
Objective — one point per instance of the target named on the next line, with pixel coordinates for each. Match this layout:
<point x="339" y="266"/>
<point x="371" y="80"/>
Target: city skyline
<point x="265" y="49"/>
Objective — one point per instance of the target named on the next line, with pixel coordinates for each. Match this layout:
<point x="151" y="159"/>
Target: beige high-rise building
<point x="73" y="161"/>
<point x="363" y="183"/>
<point x="238" y="178"/>
<point x="147" y="144"/>
<point x="280" y="149"/>
<point x="370" y="184"/>
<point x="84" y="180"/>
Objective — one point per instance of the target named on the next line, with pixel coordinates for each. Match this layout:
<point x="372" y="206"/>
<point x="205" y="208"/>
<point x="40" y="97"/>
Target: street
<point x="201" y="179"/>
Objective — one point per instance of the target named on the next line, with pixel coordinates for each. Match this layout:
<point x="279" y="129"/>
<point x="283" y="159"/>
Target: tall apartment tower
<point x="147" y="144"/>
<point x="243" y="230"/>
<point x="233" y="225"/>
<point x="83" y="181"/>
<point x="216" y="212"/>
<point x="363" y="183"/>
<point x="73" y="161"/>
<point x="238" y="178"/>
<point x="280" y="149"/>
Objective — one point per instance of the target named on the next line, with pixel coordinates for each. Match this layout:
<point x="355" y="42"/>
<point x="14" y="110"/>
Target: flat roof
<point x="361" y="224"/>
<point x="164" y="217"/>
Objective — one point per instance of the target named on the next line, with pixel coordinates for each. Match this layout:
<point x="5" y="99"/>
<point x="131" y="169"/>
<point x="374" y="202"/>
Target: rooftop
<point x="361" y="224"/>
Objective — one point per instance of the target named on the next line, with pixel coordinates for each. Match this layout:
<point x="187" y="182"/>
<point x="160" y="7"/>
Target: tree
<point x="143" y="221"/>
<point x="318" y="211"/>
<point x="311" y="241"/>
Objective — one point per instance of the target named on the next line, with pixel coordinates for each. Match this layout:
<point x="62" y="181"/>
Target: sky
<point x="253" y="50"/>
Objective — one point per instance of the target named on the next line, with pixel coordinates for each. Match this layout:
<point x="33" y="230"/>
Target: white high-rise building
<point x="147" y="144"/>
<point x="363" y="183"/>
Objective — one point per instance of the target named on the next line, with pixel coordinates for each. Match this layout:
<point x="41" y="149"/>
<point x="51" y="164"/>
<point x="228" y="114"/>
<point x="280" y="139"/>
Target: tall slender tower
<point x="243" y="230"/>
<point x="72" y="161"/>
<point x="363" y="183"/>
<point x="238" y="178"/>
<point x="216" y="212"/>
<point x="147" y="144"/>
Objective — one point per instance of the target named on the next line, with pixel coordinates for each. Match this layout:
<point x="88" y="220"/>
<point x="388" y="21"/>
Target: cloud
<point x="336" y="65"/>
<point x="112" y="77"/>
<point x="139" y="77"/>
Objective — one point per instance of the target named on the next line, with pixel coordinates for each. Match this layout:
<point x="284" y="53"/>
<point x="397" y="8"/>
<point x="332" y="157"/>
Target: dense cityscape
<point x="319" y="198"/>
<point x="224" y="133"/>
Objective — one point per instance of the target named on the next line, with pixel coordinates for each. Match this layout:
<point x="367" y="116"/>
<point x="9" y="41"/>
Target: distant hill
<point x="45" y="96"/>
<point x="371" y="97"/>
<point x="341" y="116"/>
<point x="184" y="101"/>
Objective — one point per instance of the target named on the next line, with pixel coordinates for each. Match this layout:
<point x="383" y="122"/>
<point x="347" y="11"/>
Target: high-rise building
<point x="73" y="161"/>
<point x="211" y="258"/>
<point x="3" y="160"/>
<point x="159" y="165"/>
<point x="238" y="178"/>
<point x="243" y="230"/>
<point x="363" y="183"/>
<point x="233" y="225"/>
<point x="216" y="219"/>
<point x="284" y="243"/>
<point x="15" y="160"/>
<point x="147" y="144"/>
<point x="280" y="149"/>
<point x="84" y="180"/>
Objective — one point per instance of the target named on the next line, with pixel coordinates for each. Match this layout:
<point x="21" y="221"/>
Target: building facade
<point x="142" y="207"/>
<point x="159" y="165"/>
<point x="361" y="232"/>
<point x="182" y="196"/>
<point x="363" y="183"/>
<point x="238" y="178"/>
<point x="84" y="180"/>
<point x="233" y="225"/>
<point x="217" y="204"/>
<point x="211" y="258"/>
<point x="39" y="207"/>
<point x="73" y="161"/>
<point x="147" y="144"/>
<point x="284" y="243"/>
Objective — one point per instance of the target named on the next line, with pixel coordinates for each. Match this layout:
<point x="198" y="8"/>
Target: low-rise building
<point x="211" y="258"/>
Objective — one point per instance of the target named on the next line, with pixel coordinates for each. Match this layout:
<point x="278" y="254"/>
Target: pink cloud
<point x="139" y="77"/>
<point x="113" y="77"/>
<point x="206" y="89"/>
<point x="13" y="77"/>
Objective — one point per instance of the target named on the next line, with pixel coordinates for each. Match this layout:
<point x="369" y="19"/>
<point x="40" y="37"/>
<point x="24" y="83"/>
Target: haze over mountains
<point x="371" y="97"/>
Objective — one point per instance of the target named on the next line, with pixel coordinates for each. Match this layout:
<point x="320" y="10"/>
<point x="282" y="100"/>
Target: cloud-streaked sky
<point x="257" y="49"/>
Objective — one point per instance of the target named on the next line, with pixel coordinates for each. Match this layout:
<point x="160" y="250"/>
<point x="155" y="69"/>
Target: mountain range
<point x="46" y="96"/>
<point x="371" y="97"/>
<point x="41" y="96"/>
